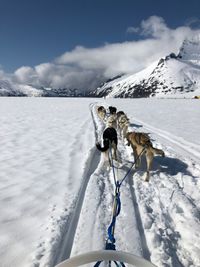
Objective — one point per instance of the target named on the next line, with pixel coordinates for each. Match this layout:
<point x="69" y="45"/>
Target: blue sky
<point x="37" y="31"/>
<point x="81" y="43"/>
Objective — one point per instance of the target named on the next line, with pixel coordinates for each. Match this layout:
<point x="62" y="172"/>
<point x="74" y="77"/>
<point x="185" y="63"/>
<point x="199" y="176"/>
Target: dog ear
<point x="128" y="144"/>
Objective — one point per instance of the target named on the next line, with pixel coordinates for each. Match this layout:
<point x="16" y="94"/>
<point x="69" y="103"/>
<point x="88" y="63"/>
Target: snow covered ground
<point x="56" y="194"/>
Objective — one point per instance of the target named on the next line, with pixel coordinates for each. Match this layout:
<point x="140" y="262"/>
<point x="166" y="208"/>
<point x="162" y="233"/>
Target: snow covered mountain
<point x="8" y="88"/>
<point x="172" y="76"/>
<point x="190" y="50"/>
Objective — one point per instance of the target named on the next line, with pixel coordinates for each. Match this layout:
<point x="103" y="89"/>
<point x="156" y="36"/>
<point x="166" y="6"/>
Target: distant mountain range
<point x="172" y="76"/>
<point x="10" y="89"/>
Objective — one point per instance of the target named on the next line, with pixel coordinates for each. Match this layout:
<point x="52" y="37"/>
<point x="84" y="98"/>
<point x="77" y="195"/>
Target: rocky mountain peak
<point x="190" y="49"/>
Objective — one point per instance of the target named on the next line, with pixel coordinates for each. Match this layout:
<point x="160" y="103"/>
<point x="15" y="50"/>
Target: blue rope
<point x="117" y="212"/>
<point x="122" y="264"/>
<point x="132" y="165"/>
<point x="97" y="263"/>
<point x="110" y="243"/>
<point x="110" y="150"/>
<point x="116" y="263"/>
<point x="118" y="184"/>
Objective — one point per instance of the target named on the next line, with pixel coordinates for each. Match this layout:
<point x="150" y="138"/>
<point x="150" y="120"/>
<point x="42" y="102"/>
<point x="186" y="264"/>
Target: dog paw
<point x="146" y="177"/>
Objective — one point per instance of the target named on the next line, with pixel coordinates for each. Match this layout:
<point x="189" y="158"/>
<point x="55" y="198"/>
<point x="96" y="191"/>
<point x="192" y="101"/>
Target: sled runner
<point x="117" y="257"/>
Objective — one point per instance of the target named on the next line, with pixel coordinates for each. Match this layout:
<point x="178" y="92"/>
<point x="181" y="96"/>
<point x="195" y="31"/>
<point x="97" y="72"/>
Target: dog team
<point x="140" y="142"/>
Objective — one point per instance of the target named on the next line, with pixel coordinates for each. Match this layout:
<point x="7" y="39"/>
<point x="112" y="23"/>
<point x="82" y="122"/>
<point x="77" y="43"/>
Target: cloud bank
<point x="85" y="68"/>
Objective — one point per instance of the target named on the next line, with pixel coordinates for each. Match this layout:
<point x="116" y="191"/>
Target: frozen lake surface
<point x="56" y="194"/>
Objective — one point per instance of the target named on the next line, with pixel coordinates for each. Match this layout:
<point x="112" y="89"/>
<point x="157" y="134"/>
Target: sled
<point x="117" y="257"/>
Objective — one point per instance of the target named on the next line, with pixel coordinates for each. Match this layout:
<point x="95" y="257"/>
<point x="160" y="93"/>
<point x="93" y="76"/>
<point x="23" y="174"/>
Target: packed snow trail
<point x="154" y="226"/>
<point x="66" y="243"/>
<point x="65" y="246"/>
<point x="97" y="210"/>
<point x="68" y="235"/>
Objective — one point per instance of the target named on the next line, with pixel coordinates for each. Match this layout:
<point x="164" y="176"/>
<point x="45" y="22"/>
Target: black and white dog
<point x="109" y="140"/>
<point x="112" y="110"/>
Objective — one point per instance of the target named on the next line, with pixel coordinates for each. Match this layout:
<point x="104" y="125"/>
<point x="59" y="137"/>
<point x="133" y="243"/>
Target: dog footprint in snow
<point x="52" y="208"/>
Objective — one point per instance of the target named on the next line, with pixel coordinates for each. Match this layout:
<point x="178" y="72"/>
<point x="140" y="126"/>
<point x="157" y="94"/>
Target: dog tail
<point x="105" y="146"/>
<point x="157" y="151"/>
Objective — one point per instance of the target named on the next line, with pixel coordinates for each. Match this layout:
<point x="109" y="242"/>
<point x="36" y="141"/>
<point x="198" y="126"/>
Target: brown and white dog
<point x="109" y="141"/>
<point x="101" y="111"/>
<point x="119" y="113"/>
<point x="141" y="143"/>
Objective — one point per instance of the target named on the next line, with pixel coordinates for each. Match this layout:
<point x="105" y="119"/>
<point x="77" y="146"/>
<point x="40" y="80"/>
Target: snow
<point x="178" y="73"/>
<point x="190" y="50"/>
<point x="56" y="192"/>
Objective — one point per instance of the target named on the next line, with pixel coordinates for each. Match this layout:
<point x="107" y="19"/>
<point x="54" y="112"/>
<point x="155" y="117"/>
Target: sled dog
<point x="119" y="113"/>
<point x="109" y="140"/>
<point x="112" y="121"/>
<point x="123" y="123"/>
<point x="101" y="111"/>
<point x="138" y="142"/>
<point x="112" y="110"/>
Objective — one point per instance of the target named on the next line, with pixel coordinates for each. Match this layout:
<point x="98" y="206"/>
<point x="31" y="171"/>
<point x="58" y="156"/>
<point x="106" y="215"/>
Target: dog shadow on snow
<point x="135" y="125"/>
<point x="169" y="166"/>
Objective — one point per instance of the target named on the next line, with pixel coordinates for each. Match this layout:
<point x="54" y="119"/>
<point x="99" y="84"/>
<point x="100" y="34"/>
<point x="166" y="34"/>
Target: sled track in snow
<point x="172" y="183"/>
<point x="140" y="229"/>
<point x="91" y="106"/>
<point x="158" y="213"/>
<point x="184" y="146"/>
<point x="145" y="250"/>
<point x="188" y="148"/>
<point x="138" y="218"/>
<point x="66" y="243"/>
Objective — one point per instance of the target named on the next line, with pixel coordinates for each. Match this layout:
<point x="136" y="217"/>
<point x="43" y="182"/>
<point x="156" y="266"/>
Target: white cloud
<point x="24" y="74"/>
<point x="132" y="29"/>
<point x="87" y="67"/>
<point x="154" y="26"/>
